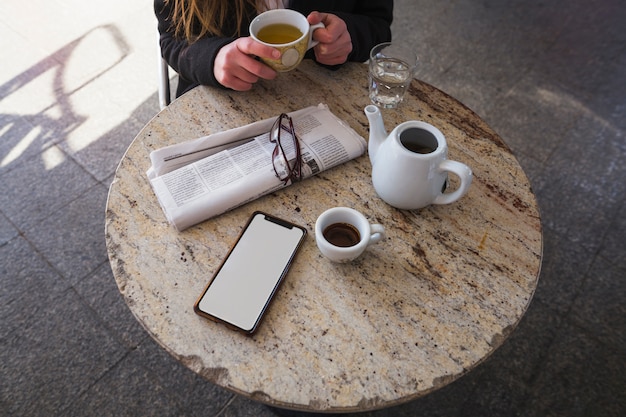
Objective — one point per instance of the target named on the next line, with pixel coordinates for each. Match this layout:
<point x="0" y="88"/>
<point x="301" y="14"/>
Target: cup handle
<point x="312" y="43"/>
<point x="463" y="172"/>
<point x="377" y="233"/>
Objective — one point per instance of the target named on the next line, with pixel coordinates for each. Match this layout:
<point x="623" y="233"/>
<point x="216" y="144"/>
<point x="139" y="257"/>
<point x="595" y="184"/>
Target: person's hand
<point x="335" y="43"/>
<point x="236" y="67"/>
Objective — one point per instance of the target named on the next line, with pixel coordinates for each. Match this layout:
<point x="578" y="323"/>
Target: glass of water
<point x="391" y="69"/>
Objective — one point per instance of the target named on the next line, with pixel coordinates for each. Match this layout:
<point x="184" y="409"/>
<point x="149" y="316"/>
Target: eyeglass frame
<point x="293" y="173"/>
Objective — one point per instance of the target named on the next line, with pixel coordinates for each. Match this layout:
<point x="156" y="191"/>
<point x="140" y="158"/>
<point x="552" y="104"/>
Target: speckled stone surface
<point x="415" y="312"/>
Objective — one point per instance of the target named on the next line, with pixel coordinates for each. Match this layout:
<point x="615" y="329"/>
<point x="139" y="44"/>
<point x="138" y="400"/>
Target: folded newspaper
<point x="205" y="177"/>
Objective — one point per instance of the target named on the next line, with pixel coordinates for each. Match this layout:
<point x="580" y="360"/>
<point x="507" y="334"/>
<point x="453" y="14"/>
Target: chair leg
<point x="164" y="84"/>
<point x="164" y="79"/>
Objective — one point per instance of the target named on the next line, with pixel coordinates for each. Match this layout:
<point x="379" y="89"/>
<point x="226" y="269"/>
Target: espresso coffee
<point x="418" y="140"/>
<point x="279" y="33"/>
<point x="343" y="235"/>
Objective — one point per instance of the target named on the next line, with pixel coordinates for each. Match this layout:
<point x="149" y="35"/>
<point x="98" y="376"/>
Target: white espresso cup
<point x="292" y="51"/>
<point x="342" y="234"/>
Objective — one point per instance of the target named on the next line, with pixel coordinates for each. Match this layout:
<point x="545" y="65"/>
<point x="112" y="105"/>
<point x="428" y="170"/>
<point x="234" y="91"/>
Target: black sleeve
<point x="193" y="62"/>
<point x="368" y="21"/>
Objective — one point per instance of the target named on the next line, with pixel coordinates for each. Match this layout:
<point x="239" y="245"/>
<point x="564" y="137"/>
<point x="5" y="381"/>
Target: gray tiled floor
<point x="77" y="82"/>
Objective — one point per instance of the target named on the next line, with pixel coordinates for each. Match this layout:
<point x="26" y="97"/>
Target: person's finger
<point x="235" y="68"/>
<point x="249" y="46"/>
<point x="314" y="18"/>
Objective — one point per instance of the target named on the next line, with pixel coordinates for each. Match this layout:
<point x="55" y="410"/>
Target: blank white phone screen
<point x="249" y="276"/>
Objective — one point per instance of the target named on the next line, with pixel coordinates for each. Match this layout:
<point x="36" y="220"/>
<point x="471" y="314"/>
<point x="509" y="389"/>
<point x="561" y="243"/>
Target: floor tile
<point x="494" y="397"/>
<point x="7" y="230"/>
<point x="532" y="168"/>
<point x="20" y="140"/>
<point x="108" y="140"/>
<point x="101" y="293"/>
<point x="241" y="407"/>
<point x="516" y="362"/>
<point x="42" y="185"/>
<point x="613" y="247"/>
<point x="23" y="56"/>
<point x="56" y="356"/>
<point x="580" y="378"/>
<point x="581" y="191"/>
<point x="589" y="41"/>
<point x="608" y="102"/>
<point x="194" y="395"/>
<point x="600" y="308"/>
<point x="128" y="389"/>
<point x="534" y="117"/>
<point x="72" y="239"/>
<point x="29" y="285"/>
<point x="564" y="268"/>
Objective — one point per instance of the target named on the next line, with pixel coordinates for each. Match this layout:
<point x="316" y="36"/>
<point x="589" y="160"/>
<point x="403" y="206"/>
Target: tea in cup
<point x="342" y="234"/>
<point x="286" y="30"/>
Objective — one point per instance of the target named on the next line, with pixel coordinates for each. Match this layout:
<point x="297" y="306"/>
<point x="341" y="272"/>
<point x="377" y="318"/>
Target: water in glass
<point x="389" y="79"/>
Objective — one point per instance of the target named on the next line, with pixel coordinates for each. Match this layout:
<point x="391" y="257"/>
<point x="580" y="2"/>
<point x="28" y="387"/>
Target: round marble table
<point x="415" y="312"/>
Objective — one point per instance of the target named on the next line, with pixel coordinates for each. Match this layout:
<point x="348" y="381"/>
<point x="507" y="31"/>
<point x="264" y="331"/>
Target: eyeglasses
<point x="286" y="158"/>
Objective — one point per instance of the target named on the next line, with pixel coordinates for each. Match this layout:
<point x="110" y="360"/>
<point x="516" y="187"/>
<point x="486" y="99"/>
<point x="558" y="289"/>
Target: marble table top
<point x="415" y="312"/>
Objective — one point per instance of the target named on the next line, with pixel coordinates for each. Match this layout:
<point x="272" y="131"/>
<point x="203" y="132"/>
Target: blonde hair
<point x="194" y="19"/>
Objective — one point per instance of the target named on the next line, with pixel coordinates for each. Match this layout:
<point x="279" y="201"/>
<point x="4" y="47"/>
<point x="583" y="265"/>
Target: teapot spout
<point x="377" y="131"/>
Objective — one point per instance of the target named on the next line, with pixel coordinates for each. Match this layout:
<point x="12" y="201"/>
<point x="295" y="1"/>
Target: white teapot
<point x="410" y="166"/>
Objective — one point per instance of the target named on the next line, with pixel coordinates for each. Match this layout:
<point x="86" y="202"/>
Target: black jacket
<point x="368" y="22"/>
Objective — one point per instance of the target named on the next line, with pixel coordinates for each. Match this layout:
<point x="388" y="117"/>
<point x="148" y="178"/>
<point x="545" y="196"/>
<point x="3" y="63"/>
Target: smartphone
<point x="243" y="286"/>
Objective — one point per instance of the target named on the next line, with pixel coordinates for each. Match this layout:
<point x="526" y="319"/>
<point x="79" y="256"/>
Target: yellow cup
<point x="291" y="52"/>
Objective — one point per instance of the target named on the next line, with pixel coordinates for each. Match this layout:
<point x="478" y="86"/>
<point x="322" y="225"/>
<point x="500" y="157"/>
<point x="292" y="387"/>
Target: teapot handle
<point x="465" y="175"/>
